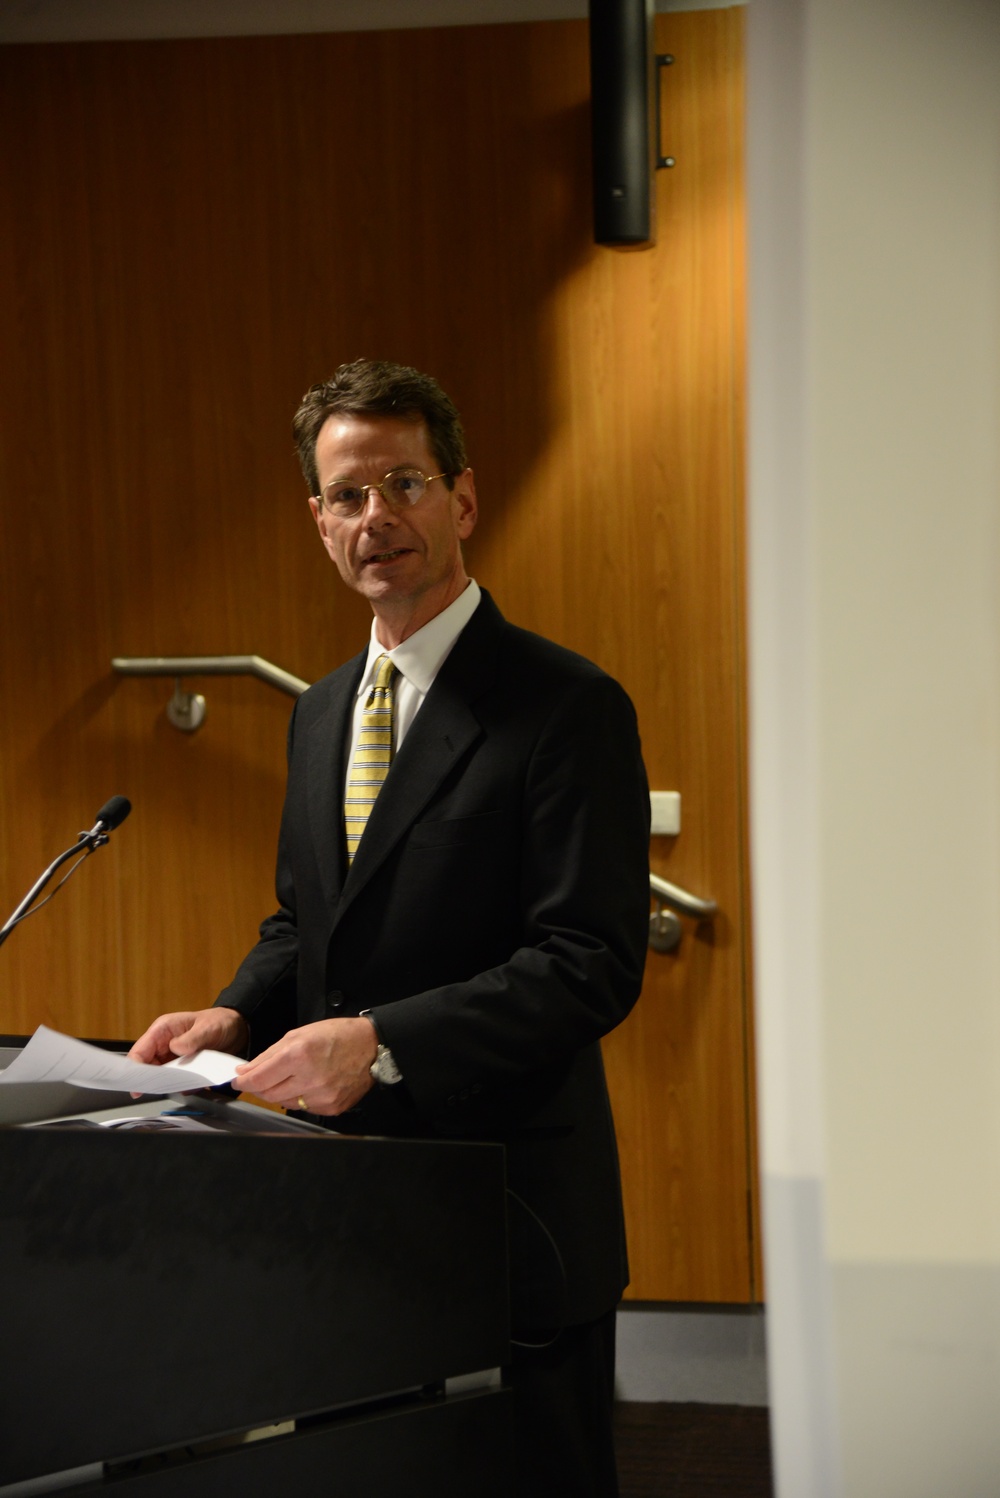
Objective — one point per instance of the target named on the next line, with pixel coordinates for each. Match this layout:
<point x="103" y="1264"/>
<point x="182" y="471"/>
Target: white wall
<point x="875" y="692"/>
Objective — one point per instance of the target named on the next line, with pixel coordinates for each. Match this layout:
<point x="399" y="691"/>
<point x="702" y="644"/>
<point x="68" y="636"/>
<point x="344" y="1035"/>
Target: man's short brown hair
<point x="376" y="387"/>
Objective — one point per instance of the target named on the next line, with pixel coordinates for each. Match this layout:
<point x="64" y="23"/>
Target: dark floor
<point x="693" y="1451"/>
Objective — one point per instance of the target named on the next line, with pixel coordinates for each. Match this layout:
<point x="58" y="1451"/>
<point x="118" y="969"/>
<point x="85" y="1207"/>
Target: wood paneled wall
<point x="195" y="231"/>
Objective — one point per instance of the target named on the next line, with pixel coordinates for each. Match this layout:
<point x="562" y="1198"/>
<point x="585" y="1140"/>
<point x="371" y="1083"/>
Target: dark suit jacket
<point x="495" y="922"/>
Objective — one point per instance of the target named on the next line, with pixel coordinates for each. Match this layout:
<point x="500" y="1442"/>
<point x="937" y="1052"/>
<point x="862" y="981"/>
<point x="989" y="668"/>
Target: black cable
<point x="52" y="893"/>
<point x="561" y="1318"/>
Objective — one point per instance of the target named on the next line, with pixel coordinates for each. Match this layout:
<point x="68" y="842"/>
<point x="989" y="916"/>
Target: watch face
<point x="384" y="1068"/>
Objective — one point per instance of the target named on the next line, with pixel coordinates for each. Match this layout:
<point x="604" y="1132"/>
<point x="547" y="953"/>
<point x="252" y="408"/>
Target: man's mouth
<point x="386" y="556"/>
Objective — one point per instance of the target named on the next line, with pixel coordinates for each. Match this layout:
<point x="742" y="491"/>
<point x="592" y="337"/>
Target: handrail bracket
<point x="186" y="710"/>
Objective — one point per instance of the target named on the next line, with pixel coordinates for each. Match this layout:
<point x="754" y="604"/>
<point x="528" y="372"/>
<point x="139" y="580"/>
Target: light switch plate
<point x="665" y="807"/>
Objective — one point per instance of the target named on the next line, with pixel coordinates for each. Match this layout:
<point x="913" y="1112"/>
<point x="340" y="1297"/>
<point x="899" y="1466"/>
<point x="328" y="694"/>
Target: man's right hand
<point x="192" y="1030"/>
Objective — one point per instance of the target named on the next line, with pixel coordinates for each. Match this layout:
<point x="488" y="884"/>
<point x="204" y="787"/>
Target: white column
<point x="875" y="736"/>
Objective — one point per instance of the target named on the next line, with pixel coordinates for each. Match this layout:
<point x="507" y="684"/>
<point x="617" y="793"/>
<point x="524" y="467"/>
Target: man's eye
<point x="344" y="496"/>
<point x="408" y="482"/>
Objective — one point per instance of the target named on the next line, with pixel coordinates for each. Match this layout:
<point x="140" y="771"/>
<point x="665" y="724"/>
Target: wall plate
<point x="665" y="807"/>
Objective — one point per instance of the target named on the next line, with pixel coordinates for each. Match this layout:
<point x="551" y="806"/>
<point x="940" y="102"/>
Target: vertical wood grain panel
<point x="195" y="231"/>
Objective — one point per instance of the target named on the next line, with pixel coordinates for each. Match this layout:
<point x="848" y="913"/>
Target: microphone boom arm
<point x="88" y="842"/>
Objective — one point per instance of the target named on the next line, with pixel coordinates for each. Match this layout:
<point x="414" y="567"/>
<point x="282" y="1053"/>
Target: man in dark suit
<point x="444" y="962"/>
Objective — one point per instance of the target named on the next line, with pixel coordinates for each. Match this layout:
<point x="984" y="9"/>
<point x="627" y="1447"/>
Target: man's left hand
<point x="323" y="1067"/>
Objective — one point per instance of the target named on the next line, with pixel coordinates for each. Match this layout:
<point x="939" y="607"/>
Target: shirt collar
<point x="421" y="657"/>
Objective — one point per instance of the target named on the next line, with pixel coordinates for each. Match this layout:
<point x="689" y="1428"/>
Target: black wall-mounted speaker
<point x="621" y="80"/>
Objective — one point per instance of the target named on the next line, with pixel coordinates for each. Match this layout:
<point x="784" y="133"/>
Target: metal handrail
<point x="681" y="899"/>
<point x="665" y="929"/>
<point x="211" y="665"/>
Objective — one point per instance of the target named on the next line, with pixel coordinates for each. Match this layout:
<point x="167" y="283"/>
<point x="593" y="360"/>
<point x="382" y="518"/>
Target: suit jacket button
<point x="334" y="999"/>
<point x="463" y="1096"/>
<point x="476" y="1087"/>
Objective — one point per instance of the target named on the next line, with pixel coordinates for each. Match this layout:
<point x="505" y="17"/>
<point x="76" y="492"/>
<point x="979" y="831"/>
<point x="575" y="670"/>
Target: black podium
<point x="163" y="1291"/>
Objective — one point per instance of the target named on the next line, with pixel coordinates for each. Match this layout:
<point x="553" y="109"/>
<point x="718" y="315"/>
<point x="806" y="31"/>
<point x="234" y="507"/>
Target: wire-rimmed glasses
<point x="401" y="488"/>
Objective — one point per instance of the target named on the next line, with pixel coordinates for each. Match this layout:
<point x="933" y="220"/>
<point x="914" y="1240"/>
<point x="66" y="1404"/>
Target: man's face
<point x="404" y="561"/>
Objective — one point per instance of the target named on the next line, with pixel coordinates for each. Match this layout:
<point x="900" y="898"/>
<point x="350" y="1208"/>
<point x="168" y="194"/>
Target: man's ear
<point x="466" y="504"/>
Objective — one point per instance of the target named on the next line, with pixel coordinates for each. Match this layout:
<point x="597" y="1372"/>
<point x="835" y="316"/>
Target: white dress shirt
<point x="418" y="661"/>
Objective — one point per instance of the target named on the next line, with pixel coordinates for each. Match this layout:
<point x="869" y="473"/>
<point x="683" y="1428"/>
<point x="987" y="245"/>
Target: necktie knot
<point x="385" y="670"/>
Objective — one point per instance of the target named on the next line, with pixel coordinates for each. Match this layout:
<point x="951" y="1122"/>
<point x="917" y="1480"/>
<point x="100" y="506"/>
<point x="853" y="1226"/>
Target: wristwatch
<point x="383" y="1069"/>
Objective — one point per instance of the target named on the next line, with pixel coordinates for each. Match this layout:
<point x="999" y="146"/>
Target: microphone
<point x="110" y="816"/>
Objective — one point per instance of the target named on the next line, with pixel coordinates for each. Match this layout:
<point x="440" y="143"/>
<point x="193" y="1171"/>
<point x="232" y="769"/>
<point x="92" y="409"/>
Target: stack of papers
<point x="51" y="1057"/>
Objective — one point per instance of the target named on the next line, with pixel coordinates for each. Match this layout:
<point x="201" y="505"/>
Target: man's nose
<point x="376" y="507"/>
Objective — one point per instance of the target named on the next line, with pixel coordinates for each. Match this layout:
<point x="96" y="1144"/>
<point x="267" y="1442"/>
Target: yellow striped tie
<point x="372" y="755"/>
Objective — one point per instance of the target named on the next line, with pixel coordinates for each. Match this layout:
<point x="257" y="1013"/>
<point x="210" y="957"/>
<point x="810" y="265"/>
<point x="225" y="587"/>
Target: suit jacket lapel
<point x="443" y="730"/>
<point x="327" y="771"/>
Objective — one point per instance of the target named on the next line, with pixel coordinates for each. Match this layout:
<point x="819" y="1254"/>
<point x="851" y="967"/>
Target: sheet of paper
<point x="215" y="1066"/>
<point x="51" y="1057"/>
